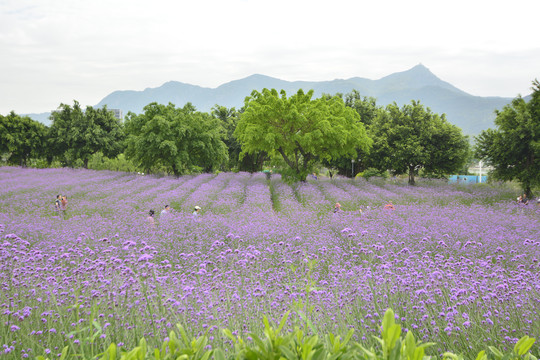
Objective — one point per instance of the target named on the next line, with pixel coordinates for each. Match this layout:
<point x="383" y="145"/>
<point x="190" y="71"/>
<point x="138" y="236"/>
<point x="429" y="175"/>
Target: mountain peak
<point x="414" y="72"/>
<point x="417" y="77"/>
<point x="420" y="67"/>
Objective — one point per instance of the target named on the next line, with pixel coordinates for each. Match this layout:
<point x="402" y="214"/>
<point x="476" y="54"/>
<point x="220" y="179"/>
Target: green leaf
<point x="393" y="335"/>
<point x="183" y="334"/>
<point x="64" y="352"/>
<point x="228" y="334"/>
<point x="388" y="322"/>
<point x="418" y="354"/>
<point x="259" y="342"/>
<point x="111" y="351"/>
<point x="308" y="321"/>
<point x="426" y="345"/>
<point x="369" y="353"/>
<point x="331" y="337"/>
<point x="97" y="326"/>
<point x="481" y="355"/>
<point x="219" y="354"/>
<point x="381" y="341"/>
<point x="319" y="354"/>
<point x="266" y="323"/>
<point x="143" y="347"/>
<point x="283" y="322"/>
<point x="172" y="342"/>
<point x="287" y="352"/>
<point x="410" y="344"/>
<point x="348" y="337"/>
<point x="450" y="355"/>
<point x="206" y="355"/>
<point x="524" y="345"/>
<point x="496" y="352"/>
<point x="395" y="353"/>
<point x="164" y="347"/>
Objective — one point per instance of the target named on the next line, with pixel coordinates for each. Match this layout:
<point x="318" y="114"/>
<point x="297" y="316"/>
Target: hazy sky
<point x="57" y="51"/>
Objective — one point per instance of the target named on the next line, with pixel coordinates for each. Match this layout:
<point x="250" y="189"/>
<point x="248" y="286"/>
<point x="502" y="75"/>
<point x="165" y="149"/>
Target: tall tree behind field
<point x="513" y="149"/>
<point x="366" y="107"/>
<point x="300" y="130"/>
<point x="177" y="140"/>
<point x="75" y="135"/>
<point x="249" y="162"/>
<point x="21" y="138"/>
<point x="412" y="138"/>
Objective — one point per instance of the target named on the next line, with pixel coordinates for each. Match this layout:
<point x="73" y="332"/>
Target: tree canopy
<point x="367" y="108"/>
<point x="411" y="138"/>
<point x="75" y="135"/>
<point x="21" y="138"/>
<point x="299" y="129"/>
<point x="513" y="149"/>
<point x="176" y="139"/>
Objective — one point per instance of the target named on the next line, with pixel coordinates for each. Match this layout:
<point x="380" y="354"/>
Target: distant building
<point x="117" y="113"/>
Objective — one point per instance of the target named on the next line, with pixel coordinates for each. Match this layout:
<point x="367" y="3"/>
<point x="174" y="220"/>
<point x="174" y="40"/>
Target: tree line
<point x="297" y="134"/>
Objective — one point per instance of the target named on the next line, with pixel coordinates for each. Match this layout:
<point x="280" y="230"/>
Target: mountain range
<point x="471" y="113"/>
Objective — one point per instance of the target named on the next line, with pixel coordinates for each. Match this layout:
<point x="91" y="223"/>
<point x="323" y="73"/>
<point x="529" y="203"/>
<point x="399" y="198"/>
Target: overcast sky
<point x="57" y="51"/>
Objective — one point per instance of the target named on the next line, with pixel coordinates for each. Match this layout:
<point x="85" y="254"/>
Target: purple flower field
<point x="458" y="264"/>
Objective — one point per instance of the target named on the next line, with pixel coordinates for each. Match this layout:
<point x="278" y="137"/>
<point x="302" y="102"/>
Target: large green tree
<point x="248" y="162"/>
<point x="21" y="138"/>
<point x="75" y="135"/>
<point x="176" y="139"/>
<point x="412" y="138"/>
<point x="513" y="149"/>
<point x="300" y="130"/>
<point x="367" y="108"/>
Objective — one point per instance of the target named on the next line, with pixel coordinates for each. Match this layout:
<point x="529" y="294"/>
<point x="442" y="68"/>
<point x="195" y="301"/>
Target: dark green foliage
<point x="412" y="138"/>
<point x="75" y="135"/>
<point x="299" y="130"/>
<point x="21" y="138"/>
<point x="513" y="149"/>
<point x="176" y="139"/>
<point x="372" y="172"/>
<point x="367" y="108"/>
<point x="249" y="162"/>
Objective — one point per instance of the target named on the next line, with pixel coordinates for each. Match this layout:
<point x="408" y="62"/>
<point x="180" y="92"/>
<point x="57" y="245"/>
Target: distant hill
<point x="471" y="113"/>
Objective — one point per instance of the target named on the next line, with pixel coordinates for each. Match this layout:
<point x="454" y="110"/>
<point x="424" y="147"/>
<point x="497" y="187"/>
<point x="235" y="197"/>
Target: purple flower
<point x="145" y="257"/>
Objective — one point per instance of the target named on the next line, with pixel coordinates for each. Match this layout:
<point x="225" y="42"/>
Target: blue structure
<point x="467" y="179"/>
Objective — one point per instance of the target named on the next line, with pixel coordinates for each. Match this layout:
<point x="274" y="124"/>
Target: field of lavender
<point x="458" y="264"/>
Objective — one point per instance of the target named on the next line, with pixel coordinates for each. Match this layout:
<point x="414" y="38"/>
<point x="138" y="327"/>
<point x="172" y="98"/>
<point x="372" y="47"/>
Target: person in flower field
<point x="389" y="206"/>
<point x="150" y="219"/>
<point x="57" y="202"/>
<point x="165" y="212"/>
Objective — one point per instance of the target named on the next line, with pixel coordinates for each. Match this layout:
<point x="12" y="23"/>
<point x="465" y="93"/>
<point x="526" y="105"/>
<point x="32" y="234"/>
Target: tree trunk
<point x="411" y="175"/>
<point x="528" y="191"/>
<point x="175" y="170"/>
